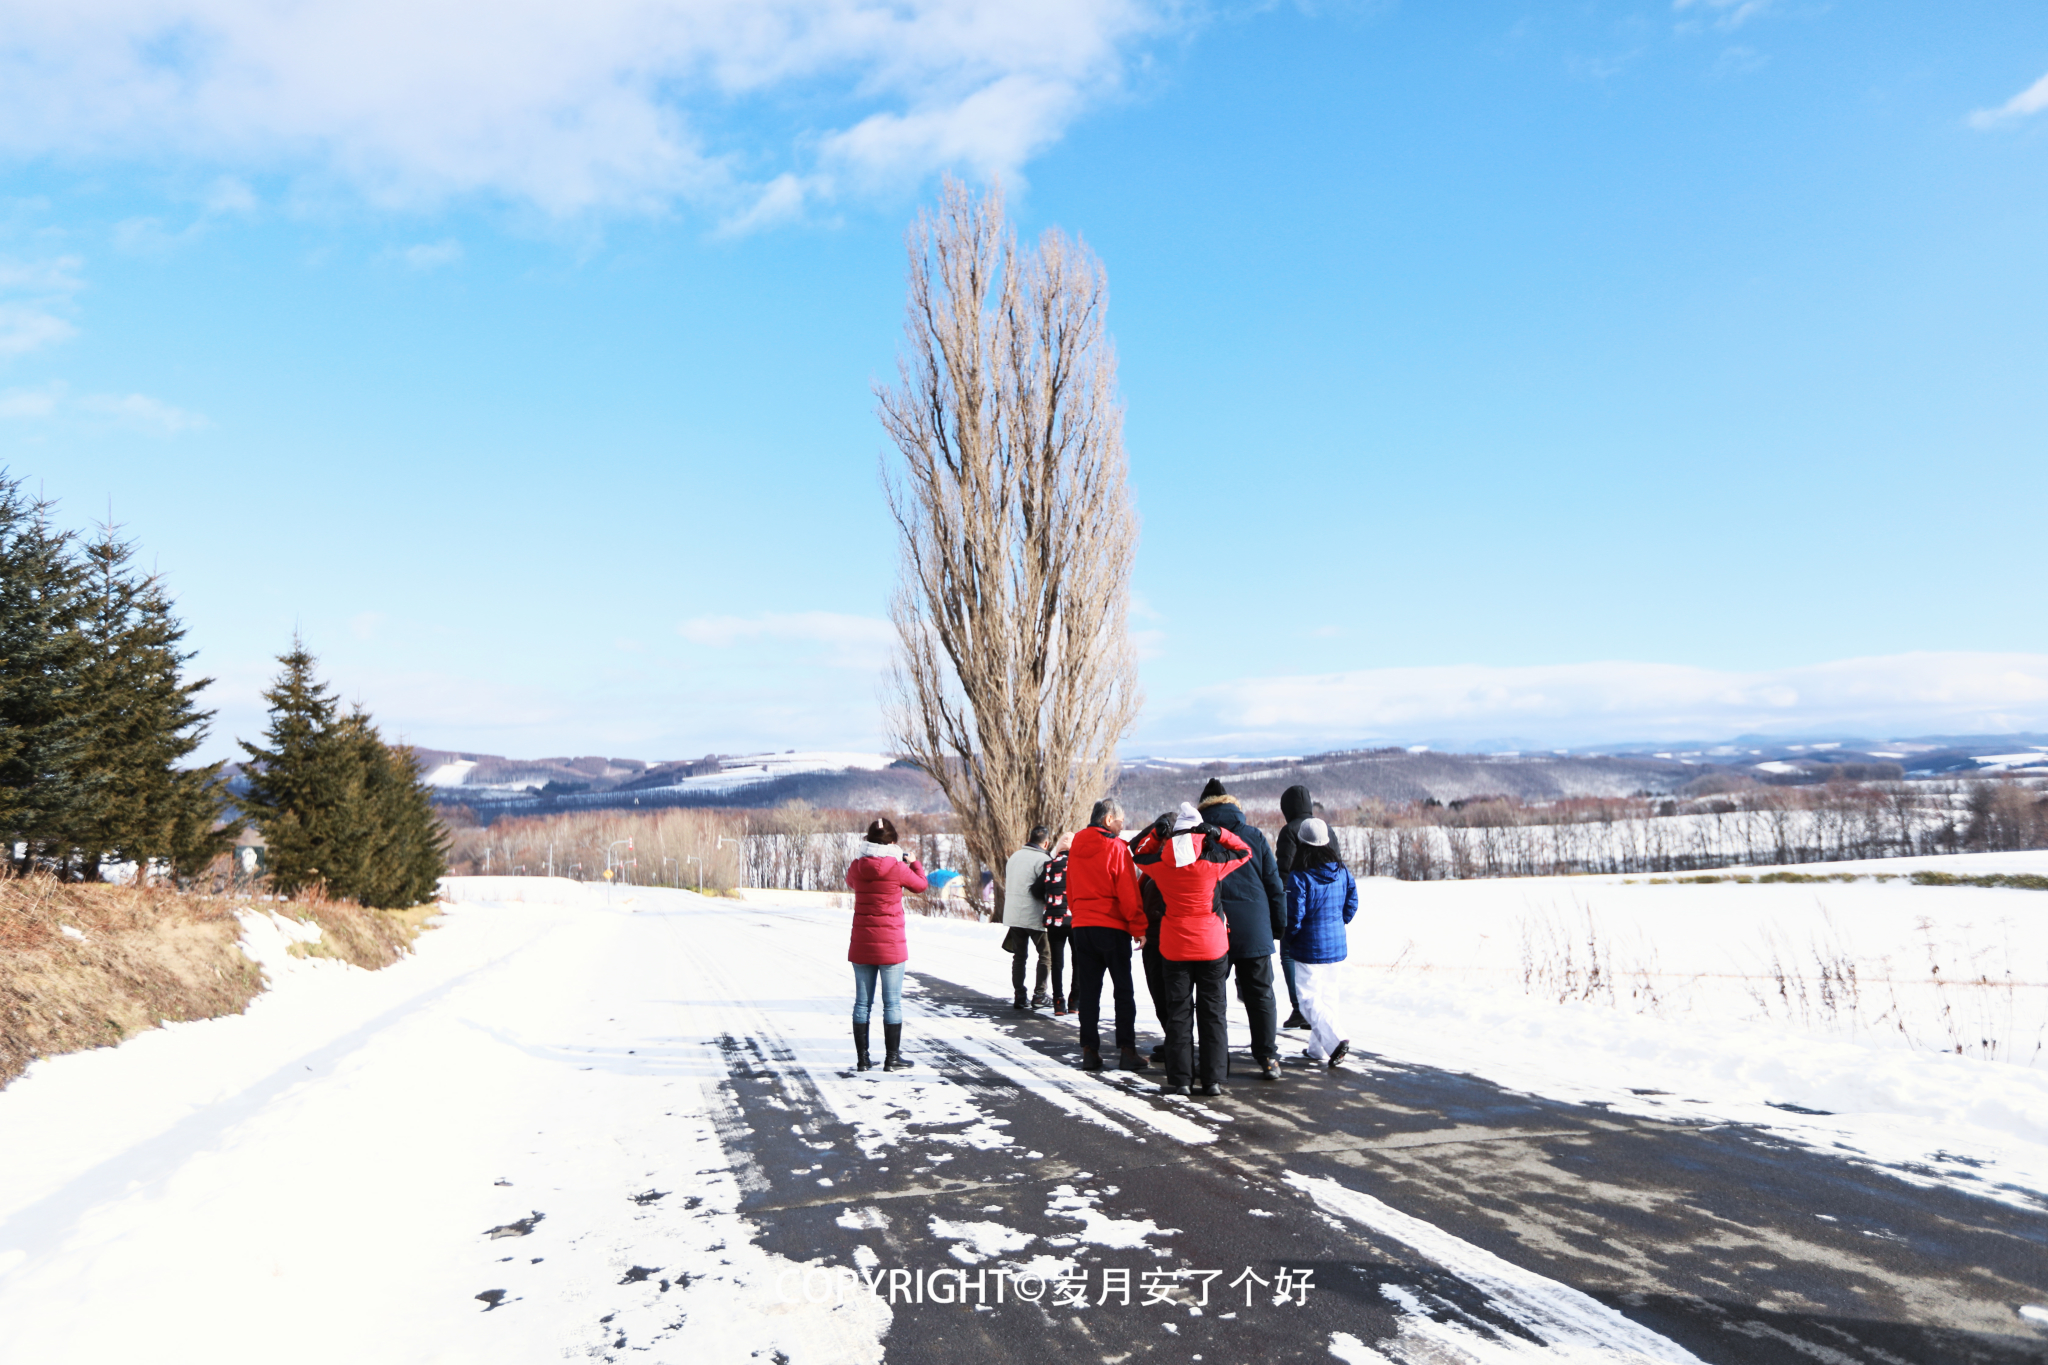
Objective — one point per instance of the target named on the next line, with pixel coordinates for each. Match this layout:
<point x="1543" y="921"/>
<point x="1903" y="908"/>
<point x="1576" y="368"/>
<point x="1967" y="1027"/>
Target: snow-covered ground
<point x="316" y="1178"/>
<point x="1710" y="1004"/>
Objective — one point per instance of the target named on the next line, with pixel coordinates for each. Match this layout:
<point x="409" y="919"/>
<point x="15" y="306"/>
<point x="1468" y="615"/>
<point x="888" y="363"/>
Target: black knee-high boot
<point x="860" y="1046"/>
<point x="892" y="1045"/>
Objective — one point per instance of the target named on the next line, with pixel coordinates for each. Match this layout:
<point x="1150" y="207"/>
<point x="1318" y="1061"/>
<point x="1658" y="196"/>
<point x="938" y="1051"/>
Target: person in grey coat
<point x="1254" y="902"/>
<point x="1024" y="915"/>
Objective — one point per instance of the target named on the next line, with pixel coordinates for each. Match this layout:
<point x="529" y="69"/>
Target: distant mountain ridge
<point x="493" y="785"/>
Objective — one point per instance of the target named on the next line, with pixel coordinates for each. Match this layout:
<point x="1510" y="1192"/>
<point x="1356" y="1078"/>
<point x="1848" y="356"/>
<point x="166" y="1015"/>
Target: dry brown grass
<point x="146" y="955"/>
<point x="349" y="933"/>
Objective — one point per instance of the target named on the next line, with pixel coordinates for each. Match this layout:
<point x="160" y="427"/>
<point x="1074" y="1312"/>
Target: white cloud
<point x="26" y="327"/>
<point x="1610" y="702"/>
<point x="228" y="195"/>
<point x="2031" y="100"/>
<point x="1724" y="13"/>
<point x="603" y="104"/>
<point x="31" y="403"/>
<point x="856" y="642"/>
<point x="134" y="410"/>
<point x="432" y="255"/>
<point x="139" y="410"/>
<point x="146" y="236"/>
<point x="33" y="297"/>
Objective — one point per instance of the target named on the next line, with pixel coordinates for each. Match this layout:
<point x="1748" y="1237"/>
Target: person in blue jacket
<point x="1322" y="897"/>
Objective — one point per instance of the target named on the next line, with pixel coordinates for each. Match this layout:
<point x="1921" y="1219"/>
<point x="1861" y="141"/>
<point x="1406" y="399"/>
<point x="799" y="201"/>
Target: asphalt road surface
<point x="1438" y="1218"/>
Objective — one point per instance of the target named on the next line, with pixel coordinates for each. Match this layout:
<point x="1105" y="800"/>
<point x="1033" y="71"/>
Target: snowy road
<point x="648" y="1105"/>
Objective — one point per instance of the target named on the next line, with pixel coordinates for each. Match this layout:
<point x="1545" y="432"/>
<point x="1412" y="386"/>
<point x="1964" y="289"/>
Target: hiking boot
<point x="1173" y="1090"/>
<point x="1091" y="1059"/>
<point x="1340" y="1052"/>
<point x="1269" y="1069"/>
<point x="1131" y="1060"/>
<point x="1159" y="1053"/>
<point x="1020" y="1003"/>
<point x="892" y="1044"/>
<point x="860" y="1048"/>
<point x="1059" y="1004"/>
<point x="1295" y="1020"/>
<point x="1211" y="1089"/>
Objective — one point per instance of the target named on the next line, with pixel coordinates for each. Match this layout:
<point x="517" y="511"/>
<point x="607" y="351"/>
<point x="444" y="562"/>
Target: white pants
<point x="1317" y="983"/>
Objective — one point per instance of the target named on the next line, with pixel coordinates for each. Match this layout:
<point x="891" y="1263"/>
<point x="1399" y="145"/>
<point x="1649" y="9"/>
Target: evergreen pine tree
<point x="405" y="851"/>
<point x="338" y="806"/>
<point x="41" y="654"/>
<point x="186" y="805"/>
<point x="304" y="786"/>
<point x="140" y="721"/>
<point x="420" y="853"/>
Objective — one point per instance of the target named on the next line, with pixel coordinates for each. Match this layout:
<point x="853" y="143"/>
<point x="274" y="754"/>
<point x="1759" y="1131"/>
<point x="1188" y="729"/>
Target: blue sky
<point x="1495" y="374"/>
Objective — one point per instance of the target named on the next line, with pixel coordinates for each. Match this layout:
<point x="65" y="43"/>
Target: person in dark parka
<point x="1295" y="807"/>
<point x="1254" y="901"/>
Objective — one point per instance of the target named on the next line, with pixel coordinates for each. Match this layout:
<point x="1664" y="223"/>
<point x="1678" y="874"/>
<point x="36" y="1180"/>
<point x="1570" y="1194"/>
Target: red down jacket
<point x="878" y="885"/>
<point x="1102" y="886"/>
<point x="1186" y="868"/>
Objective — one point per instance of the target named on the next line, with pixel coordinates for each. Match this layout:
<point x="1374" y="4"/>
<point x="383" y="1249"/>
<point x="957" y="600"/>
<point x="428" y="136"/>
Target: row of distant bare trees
<point x="794" y="848"/>
<point x="1767" y="827"/>
<point x="801" y="848"/>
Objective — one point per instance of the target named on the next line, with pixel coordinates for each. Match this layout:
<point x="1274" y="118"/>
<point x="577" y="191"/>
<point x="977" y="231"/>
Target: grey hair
<point x="1108" y="808"/>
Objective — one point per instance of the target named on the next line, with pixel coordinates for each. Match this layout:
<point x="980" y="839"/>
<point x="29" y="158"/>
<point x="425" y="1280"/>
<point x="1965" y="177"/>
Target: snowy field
<point x="315" y="1180"/>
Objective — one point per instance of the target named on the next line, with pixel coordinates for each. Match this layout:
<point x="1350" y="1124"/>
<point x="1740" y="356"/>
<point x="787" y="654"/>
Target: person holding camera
<point x="1188" y="859"/>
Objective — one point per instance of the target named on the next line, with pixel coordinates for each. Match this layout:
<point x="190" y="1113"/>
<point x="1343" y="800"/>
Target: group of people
<point x="1199" y="893"/>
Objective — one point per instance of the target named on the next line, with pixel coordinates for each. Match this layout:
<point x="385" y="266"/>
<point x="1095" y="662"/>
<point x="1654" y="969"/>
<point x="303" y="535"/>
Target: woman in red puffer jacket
<point x="878" y="878"/>
<point x="1187" y="858"/>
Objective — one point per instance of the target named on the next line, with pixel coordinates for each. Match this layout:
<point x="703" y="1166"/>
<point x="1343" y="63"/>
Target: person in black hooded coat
<point x="1295" y="807"/>
<point x="1254" y="901"/>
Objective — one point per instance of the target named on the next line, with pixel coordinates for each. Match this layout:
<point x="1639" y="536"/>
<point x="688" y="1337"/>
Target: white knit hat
<point x="1187" y="817"/>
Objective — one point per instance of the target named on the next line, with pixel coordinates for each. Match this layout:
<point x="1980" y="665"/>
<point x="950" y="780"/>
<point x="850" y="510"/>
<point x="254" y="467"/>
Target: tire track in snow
<point x="808" y="1072"/>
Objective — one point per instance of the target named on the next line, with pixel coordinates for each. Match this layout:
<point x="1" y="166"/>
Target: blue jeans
<point x="864" y="979"/>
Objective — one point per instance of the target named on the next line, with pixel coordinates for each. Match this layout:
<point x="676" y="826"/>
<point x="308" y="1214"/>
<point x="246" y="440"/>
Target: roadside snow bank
<point x="1955" y="969"/>
<point x="504" y="1147"/>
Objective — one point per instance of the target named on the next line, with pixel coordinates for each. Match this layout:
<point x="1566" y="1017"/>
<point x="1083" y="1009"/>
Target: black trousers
<point x="1036" y="938"/>
<point x="1098" y="950"/>
<point x="1057" y="938"/>
<point x="1195" y="1004"/>
<point x="1155" y="978"/>
<point x="1255" y="987"/>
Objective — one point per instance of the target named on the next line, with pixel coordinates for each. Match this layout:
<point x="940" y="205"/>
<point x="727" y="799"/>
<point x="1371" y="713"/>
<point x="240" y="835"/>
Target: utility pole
<point x="723" y="840"/>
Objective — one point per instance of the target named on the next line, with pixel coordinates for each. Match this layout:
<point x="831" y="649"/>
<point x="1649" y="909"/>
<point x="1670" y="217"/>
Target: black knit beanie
<point x="1214" y="788"/>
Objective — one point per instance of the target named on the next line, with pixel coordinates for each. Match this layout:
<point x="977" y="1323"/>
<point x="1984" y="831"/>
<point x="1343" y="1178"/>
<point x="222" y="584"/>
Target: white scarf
<point x="868" y="850"/>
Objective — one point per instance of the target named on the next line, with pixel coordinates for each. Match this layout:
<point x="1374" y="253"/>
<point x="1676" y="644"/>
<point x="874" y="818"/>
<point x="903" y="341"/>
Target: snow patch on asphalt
<point x="1570" y="1325"/>
<point x="977" y="1242"/>
<point x="1099" y="1228"/>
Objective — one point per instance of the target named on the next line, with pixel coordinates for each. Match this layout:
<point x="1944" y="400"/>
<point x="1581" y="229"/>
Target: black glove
<point x="1163" y="826"/>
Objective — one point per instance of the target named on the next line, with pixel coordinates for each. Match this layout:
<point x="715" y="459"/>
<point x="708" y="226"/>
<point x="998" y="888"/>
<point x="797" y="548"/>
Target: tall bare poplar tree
<point x="1015" y="678"/>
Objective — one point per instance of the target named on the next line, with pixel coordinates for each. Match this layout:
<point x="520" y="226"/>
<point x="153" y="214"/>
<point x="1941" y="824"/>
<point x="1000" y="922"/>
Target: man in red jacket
<point x="1102" y="895"/>
<point x="1186" y="859"/>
